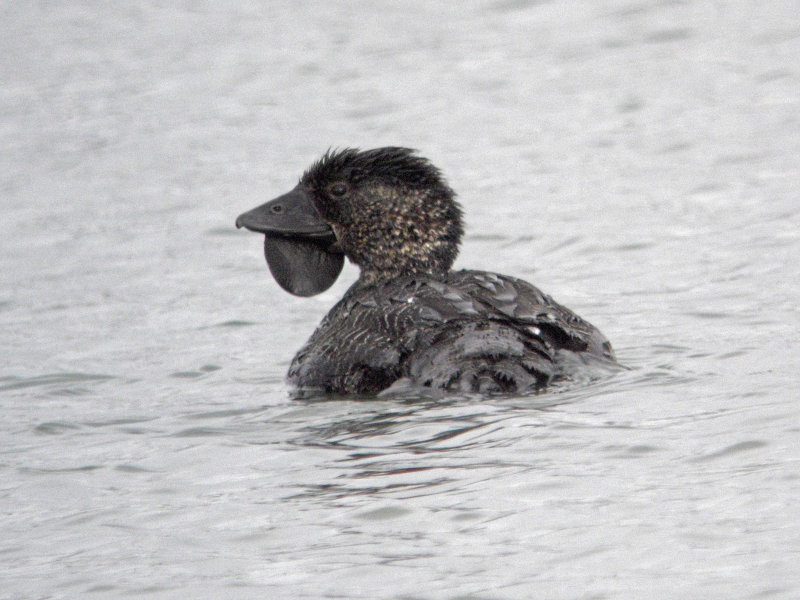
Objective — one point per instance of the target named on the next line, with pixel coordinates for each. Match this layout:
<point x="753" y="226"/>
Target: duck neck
<point x="381" y="276"/>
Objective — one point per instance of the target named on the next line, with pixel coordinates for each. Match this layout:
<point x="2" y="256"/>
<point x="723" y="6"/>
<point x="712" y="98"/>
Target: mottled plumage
<point x="465" y="331"/>
<point x="409" y="318"/>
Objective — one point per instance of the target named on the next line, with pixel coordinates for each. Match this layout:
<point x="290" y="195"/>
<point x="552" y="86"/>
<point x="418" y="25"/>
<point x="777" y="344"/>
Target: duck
<point x="409" y="320"/>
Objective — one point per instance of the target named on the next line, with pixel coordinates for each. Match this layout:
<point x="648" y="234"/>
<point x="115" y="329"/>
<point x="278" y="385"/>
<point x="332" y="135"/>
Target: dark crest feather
<point x="392" y="164"/>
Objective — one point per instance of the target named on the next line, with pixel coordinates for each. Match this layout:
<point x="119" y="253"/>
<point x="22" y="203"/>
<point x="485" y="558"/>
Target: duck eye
<point x="338" y="189"/>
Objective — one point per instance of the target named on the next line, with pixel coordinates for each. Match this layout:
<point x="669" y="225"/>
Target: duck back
<point x="469" y="331"/>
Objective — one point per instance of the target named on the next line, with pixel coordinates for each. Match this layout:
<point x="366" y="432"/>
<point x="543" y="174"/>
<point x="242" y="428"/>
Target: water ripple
<point x="731" y="450"/>
<point x="52" y="380"/>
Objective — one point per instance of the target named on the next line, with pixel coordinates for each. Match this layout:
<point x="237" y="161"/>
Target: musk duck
<point x="409" y="319"/>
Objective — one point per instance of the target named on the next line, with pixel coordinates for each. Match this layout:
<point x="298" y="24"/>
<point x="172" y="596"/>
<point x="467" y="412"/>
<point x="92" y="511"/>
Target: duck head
<point x="389" y="211"/>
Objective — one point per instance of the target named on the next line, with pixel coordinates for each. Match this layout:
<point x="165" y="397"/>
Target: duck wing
<point x="491" y="333"/>
<point x="524" y="305"/>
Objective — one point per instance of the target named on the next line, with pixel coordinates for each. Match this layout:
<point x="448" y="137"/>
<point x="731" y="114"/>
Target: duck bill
<point x="292" y="214"/>
<point x="299" y="246"/>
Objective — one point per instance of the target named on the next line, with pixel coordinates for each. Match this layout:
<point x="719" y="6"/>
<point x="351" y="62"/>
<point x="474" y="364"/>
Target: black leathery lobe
<point x="301" y="267"/>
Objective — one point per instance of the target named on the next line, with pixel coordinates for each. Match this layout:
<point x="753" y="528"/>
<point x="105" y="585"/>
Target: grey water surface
<point x="639" y="160"/>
